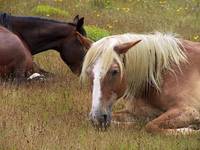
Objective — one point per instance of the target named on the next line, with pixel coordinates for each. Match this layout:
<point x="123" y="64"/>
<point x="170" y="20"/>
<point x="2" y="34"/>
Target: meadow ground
<point x="54" y="114"/>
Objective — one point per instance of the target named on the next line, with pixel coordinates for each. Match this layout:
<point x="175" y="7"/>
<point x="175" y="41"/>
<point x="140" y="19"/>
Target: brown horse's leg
<point x="175" y="118"/>
<point x="19" y="72"/>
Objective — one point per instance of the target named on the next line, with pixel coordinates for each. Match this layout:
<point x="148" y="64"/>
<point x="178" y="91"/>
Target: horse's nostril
<point x="105" y="118"/>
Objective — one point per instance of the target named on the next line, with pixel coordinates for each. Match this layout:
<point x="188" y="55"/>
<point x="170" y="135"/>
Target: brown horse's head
<point x="75" y="46"/>
<point x="104" y="69"/>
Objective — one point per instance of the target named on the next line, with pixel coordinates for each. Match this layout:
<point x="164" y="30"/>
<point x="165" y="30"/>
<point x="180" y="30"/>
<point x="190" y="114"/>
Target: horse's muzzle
<point x="100" y="120"/>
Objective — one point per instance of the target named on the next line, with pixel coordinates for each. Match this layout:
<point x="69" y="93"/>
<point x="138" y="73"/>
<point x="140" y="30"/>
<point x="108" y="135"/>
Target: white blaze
<point x="96" y="93"/>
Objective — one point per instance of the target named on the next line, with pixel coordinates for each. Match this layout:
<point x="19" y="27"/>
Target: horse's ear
<point x="84" y="41"/>
<point x="123" y="48"/>
<point x="80" y="23"/>
<point x="76" y="19"/>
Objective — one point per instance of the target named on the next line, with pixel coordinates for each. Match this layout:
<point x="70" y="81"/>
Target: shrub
<point x="46" y="10"/>
<point x="101" y="3"/>
<point x="96" y="33"/>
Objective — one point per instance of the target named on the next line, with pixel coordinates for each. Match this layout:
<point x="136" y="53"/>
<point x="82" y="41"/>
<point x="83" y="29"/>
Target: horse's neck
<point x="39" y="35"/>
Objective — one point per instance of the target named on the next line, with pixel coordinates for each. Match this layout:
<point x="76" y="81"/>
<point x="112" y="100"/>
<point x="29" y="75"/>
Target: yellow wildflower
<point x="179" y="9"/>
<point x="162" y="2"/>
<point x="58" y="0"/>
<point x="109" y="26"/>
<point x="115" y="21"/>
<point x="126" y="9"/>
<point x="196" y="37"/>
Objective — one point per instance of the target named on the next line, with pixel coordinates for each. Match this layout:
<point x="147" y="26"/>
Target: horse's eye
<point x="114" y="72"/>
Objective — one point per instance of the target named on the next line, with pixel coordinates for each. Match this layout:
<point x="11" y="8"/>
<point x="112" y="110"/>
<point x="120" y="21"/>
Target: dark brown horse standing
<point x="43" y="34"/>
<point x="15" y="58"/>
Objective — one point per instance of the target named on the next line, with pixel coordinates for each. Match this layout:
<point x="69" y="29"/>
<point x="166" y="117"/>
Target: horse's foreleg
<point x="19" y="72"/>
<point x="123" y="116"/>
<point x="173" y="120"/>
<point x="136" y="110"/>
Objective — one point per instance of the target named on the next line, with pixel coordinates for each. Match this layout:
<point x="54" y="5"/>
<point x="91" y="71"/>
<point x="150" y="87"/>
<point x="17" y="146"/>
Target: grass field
<point x="54" y="115"/>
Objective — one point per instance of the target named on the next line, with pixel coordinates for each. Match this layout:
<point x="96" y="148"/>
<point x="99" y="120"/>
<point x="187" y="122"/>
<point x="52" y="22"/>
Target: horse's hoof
<point x="36" y="77"/>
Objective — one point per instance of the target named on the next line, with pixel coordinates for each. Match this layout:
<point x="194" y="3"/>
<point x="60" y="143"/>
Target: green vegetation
<point x="96" y="33"/>
<point x="46" y="10"/>
<point x="101" y="4"/>
<point x="54" y="115"/>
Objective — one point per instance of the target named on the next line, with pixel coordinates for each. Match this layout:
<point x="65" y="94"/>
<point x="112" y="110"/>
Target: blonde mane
<point x="144" y="63"/>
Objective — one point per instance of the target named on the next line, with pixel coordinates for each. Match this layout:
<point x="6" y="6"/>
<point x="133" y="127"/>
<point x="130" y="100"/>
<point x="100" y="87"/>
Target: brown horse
<point x="158" y="73"/>
<point x="40" y="34"/>
<point x="15" y="58"/>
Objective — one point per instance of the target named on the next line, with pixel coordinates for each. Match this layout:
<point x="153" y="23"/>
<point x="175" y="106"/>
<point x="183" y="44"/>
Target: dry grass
<point x="53" y="115"/>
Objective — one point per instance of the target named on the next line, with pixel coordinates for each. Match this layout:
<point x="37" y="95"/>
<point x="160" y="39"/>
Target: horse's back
<point x="12" y="51"/>
<point x="193" y="53"/>
<point x="182" y="86"/>
<point x="10" y="45"/>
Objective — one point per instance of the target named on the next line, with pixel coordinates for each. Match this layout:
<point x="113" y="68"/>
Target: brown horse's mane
<point x="4" y="19"/>
<point x="40" y="34"/>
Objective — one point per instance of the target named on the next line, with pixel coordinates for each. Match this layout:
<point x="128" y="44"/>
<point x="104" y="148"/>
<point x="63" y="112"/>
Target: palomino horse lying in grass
<point x="158" y="73"/>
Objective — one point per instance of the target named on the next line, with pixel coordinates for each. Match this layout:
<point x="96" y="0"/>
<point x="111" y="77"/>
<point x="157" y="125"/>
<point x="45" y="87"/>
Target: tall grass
<point x="53" y="115"/>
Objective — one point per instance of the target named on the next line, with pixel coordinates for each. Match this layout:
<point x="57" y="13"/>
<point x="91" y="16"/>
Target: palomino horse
<point x="158" y="73"/>
<point x="42" y="34"/>
<point x="15" y="58"/>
